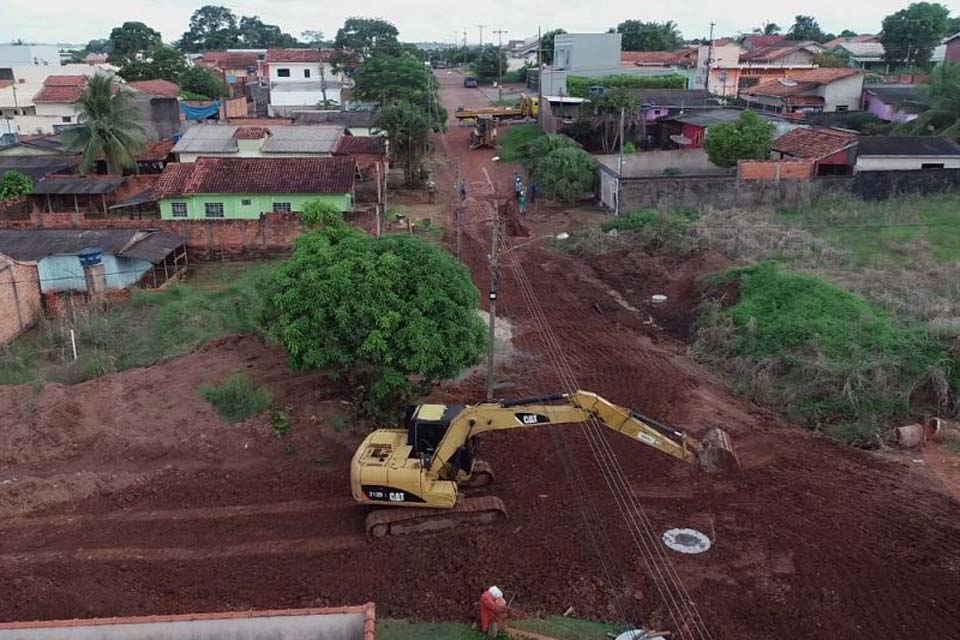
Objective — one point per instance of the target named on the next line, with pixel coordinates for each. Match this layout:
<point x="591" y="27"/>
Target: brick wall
<point x="19" y="298"/>
<point x="272" y="234"/>
<point x="774" y="170"/>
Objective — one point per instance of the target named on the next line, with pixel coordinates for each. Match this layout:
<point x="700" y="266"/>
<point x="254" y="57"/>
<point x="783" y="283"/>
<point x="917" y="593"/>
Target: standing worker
<point x="523" y="202"/>
<point x="517" y="184"/>
<point x="492" y="608"/>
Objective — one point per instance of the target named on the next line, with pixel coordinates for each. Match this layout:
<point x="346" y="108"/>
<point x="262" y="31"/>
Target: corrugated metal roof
<point x="907" y="146"/>
<point x="36" y="167"/>
<point x="208" y="138"/>
<point x="303" y="139"/>
<point x="341" y="118"/>
<point x="79" y="186"/>
<point x="31" y="245"/>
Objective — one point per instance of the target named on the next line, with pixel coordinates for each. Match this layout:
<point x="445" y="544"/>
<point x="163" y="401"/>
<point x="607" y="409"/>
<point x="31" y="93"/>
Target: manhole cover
<point x="686" y="540"/>
<point x="638" y="634"/>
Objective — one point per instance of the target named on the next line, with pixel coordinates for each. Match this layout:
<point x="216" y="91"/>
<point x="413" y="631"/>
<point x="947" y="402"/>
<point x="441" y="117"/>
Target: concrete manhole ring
<point x="686" y="541"/>
<point x="638" y="634"/>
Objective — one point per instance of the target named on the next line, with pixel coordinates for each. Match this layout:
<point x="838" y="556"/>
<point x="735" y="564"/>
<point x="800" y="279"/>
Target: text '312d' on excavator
<point x="421" y="471"/>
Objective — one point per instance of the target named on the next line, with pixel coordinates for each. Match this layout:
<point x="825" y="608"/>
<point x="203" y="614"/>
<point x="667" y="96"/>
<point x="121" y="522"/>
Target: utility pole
<point x="500" y="33"/>
<point x="706" y="81"/>
<point x="620" y="163"/>
<point x="464" y="37"/>
<point x="481" y="26"/>
<point x="494" y="274"/>
<point x="539" y="75"/>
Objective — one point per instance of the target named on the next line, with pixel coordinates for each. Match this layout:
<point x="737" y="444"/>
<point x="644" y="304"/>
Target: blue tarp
<point x="194" y="112"/>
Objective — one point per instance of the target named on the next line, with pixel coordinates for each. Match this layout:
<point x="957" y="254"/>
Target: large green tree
<point x="566" y="173"/>
<point x="546" y="45"/>
<point x="14" y="184"/>
<point x="487" y="65"/>
<point x="806" y="28"/>
<point x="606" y="111"/>
<point x="255" y="34"/>
<point x="387" y="79"/>
<point x="393" y="315"/>
<point x="749" y="138"/>
<point x="408" y="129"/>
<point x="203" y="82"/>
<point x="163" y="62"/>
<point x="768" y="29"/>
<point x="108" y="127"/>
<point x="649" y="36"/>
<point x="364" y="36"/>
<point x="211" y="28"/>
<point x="910" y="35"/>
<point x="131" y="41"/>
<point x="941" y="117"/>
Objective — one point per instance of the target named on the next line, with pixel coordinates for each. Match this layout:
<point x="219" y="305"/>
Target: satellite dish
<point x="680" y="139"/>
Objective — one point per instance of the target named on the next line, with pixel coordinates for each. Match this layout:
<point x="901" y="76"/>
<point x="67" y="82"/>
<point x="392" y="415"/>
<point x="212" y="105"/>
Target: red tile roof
<point x="158" y="88"/>
<point x="780" y="88"/>
<point x="257" y="175"/>
<point x="861" y="38"/>
<point x="299" y="55"/>
<point x="230" y="59"/>
<point x="811" y="144"/>
<point x="823" y="75"/>
<point x="250" y="133"/>
<point x="66" y="95"/>
<point x="156" y="151"/>
<point x="769" y="54"/>
<point x="800" y="81"/>
<point x="65" y="81"/>
<point x="347" y="145"/>
<point x="758" y="41"/>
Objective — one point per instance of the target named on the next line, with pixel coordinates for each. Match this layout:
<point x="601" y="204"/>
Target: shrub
<point x="749" y="138"/>
<point x="238" y="398"/>
<point x="579" y="86"/>
<point x="535" y="152"/>
<point x="566" y="173"/>
<point x="14" y="184"/>
<point x="631" y="222"/>
<point x="514" y="142"/>
<point x="317" y="213"/>
<point x="825" y="356"/>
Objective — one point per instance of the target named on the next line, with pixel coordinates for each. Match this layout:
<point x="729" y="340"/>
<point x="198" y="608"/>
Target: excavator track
<point x="402" y="521"/>
<point x="481" y="476"/>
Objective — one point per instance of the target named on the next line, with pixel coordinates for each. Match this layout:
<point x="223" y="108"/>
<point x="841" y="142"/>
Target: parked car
<point x="470" y="82"/>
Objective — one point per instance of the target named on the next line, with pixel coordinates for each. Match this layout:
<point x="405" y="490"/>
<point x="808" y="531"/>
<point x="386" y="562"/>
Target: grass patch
<point x="567" y="628"/>
<point x="239" y="398"/>
<point x="215" y="300"/>
<point x="554" y="626"/>
<point x="826" y="357"/>
<point x="515" y="138"/>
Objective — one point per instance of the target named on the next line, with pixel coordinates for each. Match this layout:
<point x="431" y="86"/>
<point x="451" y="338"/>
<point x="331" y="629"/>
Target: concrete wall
<point x="904" y="163"/>
<point x="249" y="206"/>
<point x="24" y="55"/>
<point x="159" y="117"/>
<point x="775" y="170"/>
<point x="57" y="109"/>
<point x="725" y="192"/>
<point x="20" y="303"/>
<point x="846" y="92"/>
<point x="297" y="70"/>
<point x="585" y="53"/>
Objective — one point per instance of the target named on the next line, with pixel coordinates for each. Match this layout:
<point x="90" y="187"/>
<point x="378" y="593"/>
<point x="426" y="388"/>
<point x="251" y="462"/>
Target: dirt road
<point x="127" y="495"/>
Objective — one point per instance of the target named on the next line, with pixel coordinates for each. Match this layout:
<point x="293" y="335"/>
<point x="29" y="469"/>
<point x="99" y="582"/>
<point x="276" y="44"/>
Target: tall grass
<point x="515" y="139"/>
<point x="826" y="357"/>
<point x="216" y="300"/>
<point x="238" y="398"/>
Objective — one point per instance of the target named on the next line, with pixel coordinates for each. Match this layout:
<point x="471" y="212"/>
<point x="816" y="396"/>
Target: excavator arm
<point x="714" y="453"/>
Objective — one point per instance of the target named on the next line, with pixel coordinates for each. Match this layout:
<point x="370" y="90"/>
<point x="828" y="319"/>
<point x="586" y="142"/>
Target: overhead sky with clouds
<point x="71" y="21"/>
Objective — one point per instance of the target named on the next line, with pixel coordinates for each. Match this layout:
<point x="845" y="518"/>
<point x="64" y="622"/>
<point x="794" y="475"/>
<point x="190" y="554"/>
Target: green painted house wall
<point x="248" y="206"/>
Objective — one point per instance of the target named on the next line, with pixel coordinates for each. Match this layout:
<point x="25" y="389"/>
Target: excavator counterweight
<point x="431" y="464"/>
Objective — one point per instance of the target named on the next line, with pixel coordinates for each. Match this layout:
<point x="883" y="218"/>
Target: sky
<point x="437" y="20"/>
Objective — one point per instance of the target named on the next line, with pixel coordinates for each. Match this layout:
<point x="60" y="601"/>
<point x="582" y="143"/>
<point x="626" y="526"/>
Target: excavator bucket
<point x="717" y="454"/>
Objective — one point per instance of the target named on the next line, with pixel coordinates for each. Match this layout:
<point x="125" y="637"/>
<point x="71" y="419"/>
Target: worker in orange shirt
<point x="492" y="608"/>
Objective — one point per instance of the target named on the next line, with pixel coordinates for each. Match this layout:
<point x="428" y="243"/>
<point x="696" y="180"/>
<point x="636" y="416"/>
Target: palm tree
<point x="941" y="117"/>
<point x="108" y="126"/>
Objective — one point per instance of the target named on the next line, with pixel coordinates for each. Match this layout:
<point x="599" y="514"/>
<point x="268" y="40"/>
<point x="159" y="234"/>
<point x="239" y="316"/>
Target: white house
<point x="906" y="153"/>
<point x="300" y="79"/>
<point x="20" y="112"/>
<point x="22" y="55"/>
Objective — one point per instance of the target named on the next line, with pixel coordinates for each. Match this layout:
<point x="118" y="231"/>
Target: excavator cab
<point x="426" y="425"/>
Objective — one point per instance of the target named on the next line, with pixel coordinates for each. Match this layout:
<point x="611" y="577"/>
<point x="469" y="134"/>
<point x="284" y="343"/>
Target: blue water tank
<point x="90" y="257"/>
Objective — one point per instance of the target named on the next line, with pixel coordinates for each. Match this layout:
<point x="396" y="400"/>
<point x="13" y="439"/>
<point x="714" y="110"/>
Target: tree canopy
<point x="364" y="36"/>
<point x="606" y="111"/>
<point x="14" y="184"/>
<point x="910" y="35"/>
<point x="163" y="62"/>
<point x="749" y="138"/>
<point x="649" y="36"/>
<point x="806" y="28"/>
<point x="212" y="28"/>
<point x="408" y="130"/>
<point x="387" y="79"/>
<point x="202" y="82"/>
<point x="394" y="314"/>
<point x="108" y="126"/>
<point x="768" y="29"/>
<point x="546" y="44"/>
<point x="488" y="63"/>
<point x="131" y="41"/>
<point x="942" y="115"/>
<point x="566" y="173"/>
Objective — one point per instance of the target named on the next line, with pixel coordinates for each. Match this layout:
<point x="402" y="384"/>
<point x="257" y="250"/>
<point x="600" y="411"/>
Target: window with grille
<point x="306" y="73"/>
<point x="282" y="207"/>
<point x="283" y="73"/>
<point x="245" y="202"/>
<point x="213" y="209"/>
<point x="178" y="209"/>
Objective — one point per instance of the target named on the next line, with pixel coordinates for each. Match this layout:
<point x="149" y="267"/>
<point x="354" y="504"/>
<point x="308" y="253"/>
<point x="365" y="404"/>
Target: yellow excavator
<point x="484" y="133"/>
<point x="426" y="466"/>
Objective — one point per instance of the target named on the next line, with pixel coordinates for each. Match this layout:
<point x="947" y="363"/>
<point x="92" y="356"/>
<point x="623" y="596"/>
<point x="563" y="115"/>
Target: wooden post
<point x="76" y="205"/>
<point x="49" y="207"/>
<point x="103" y="200"/>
